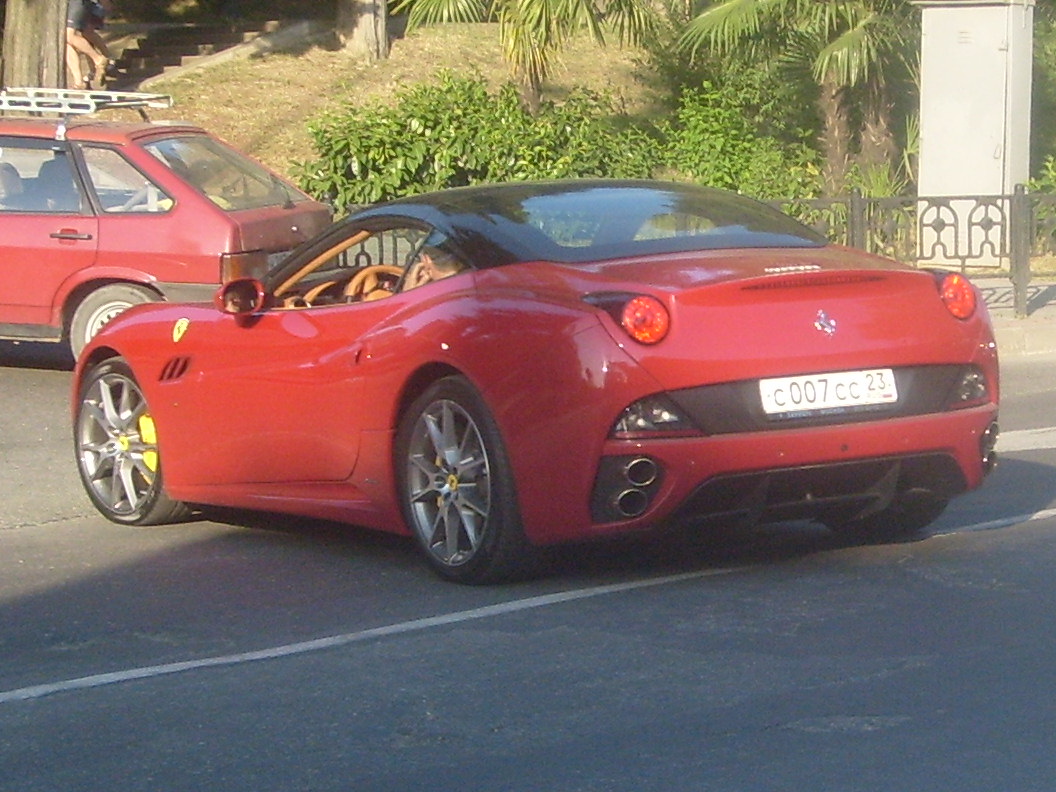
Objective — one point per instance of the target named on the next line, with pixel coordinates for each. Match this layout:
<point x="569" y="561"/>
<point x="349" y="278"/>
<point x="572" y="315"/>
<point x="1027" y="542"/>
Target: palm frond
<point x="849" y="57"/>
<point x="632" y="20"/>
<point x="433" y="12"/>
<point x="727" y="25"/>
<point x="527" y="40"/>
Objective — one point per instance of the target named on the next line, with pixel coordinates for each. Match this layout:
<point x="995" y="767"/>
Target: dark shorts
<point x="83" y="15"/>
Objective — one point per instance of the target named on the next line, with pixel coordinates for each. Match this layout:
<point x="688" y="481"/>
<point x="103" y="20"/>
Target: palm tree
<point x="857" y="53"/>
<point x="533" y="32"/>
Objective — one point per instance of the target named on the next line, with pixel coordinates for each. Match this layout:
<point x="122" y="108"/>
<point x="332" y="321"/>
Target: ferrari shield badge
<point x="179" y="329"/>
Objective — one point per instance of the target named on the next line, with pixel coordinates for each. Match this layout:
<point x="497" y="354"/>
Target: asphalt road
<point x="265" y="654"/>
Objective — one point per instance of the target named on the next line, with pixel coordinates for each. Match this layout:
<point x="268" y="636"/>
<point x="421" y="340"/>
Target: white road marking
<point x="1003" y="522"/>
<point x="414" y="625"/>
<point x="1027" y="439"/>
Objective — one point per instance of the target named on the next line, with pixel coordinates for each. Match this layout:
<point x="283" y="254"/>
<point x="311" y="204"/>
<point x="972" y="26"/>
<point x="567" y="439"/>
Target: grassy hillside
<point x="263" y="105"/>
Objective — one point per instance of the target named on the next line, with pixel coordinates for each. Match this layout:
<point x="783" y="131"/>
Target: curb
<point x="1031" y="336"/>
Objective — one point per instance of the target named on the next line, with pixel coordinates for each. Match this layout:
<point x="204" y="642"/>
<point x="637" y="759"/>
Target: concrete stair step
<point x="172" y="46"/>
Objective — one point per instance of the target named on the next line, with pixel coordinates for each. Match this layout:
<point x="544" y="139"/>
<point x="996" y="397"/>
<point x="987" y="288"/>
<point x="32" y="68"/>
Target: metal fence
<point x="997" y="234"/>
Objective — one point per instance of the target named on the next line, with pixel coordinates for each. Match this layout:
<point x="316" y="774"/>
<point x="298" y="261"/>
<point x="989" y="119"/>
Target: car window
<point x="604" y="222"/>
<point x="584" y="229"/>
<point x="585" y="221"/>
<point x="673" y="224"/>
<point x="362" y="264"/>
<point x="119" y="186"/>
<point x="226" y="177"/>
<point x="37" y="179"/>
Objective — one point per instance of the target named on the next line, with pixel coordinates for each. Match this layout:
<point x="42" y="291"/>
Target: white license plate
<point x="828" y="392"/>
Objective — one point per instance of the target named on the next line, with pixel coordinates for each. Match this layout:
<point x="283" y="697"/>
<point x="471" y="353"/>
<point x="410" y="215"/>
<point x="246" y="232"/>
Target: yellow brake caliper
<point x="148" y="434"/>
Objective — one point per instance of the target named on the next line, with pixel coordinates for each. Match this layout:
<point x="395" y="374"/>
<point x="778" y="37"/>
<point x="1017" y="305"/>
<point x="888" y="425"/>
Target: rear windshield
<point x="226" y="177"/>
<point x="572" y="222"/>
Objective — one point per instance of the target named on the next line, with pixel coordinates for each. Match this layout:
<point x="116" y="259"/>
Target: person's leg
<point x="73" y="59"/>
<point x="77" y="41"/>
<point x="93" y="37"/>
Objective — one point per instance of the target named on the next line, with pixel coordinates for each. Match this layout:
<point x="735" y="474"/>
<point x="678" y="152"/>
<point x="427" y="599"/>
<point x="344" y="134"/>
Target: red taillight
<point x="645" y="319"/>
<point x="958" y="295"/>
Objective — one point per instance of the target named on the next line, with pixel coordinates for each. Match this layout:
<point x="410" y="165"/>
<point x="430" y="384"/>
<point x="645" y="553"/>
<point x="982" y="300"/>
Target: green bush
<point x="1045" y="181"/>
<point x="711" y="140"/>
<point x="454" y="132"/>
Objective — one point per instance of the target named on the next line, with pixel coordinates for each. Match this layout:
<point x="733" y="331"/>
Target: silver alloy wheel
<point x="101" y="306"/>
<point x="98" y="319"/>
<point x="116" y="445"/>
<point x="448" y="482"/>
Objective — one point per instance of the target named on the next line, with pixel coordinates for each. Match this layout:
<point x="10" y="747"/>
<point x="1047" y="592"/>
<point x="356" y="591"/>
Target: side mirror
<point x="241" y="297"/>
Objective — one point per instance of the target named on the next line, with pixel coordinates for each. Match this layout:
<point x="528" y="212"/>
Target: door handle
<point x="69" y="234"/>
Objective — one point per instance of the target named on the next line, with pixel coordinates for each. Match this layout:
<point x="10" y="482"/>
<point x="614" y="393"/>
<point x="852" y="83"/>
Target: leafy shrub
<point x="454" y="132"/>
<point x="1045" y="181"/>
<point x="711" y="140"/>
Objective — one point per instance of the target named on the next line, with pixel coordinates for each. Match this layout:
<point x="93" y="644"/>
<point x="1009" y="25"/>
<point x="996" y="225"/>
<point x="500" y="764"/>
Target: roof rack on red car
<point x="67" y="102"/>
<point x="72" y="102"/>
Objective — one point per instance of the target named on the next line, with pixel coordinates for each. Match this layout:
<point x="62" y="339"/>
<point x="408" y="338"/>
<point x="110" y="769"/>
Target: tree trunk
<point x="877" y="146"/>
<point x="531" y="90"/>
<point x="362" y="26"/>
<point x="835" y="137"/>
<point x="34" y="53"/>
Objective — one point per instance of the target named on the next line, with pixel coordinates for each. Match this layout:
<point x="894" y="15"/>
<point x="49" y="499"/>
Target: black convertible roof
<point x="584" y="220"/>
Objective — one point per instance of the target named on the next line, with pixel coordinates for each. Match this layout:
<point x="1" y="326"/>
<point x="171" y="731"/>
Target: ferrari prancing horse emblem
<point x="825" y="323"/>
<point x="179" y="329"/>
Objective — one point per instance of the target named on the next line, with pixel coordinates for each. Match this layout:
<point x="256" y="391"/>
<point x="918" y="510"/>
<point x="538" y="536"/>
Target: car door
<point x="277" y="397"/>
<point x="47" y="226"/>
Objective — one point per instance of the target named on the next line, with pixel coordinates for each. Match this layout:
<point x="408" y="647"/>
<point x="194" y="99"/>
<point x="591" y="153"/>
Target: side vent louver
<point x="174" y="369"/>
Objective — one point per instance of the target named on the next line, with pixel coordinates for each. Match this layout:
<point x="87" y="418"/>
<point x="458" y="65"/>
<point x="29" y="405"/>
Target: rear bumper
<point x="812" y="472"/>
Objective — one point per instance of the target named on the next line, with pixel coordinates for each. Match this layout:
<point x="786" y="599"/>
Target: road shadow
<point x="36" y="354"/>
<point x="665" y="551"/>
<point x="693" y="549"/>
<point x="1026" y="488"/>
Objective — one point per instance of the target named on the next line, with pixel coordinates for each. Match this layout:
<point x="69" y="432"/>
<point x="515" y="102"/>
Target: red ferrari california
<point x="497" y="369"/>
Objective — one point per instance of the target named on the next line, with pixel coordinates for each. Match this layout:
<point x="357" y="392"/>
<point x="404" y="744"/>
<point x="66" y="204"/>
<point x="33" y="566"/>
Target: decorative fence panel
<point x="972" y="233"/>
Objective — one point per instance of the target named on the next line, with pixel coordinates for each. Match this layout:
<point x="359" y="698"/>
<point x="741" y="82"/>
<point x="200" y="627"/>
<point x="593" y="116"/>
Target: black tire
<point x="456" y="489"/>
<point x="117" y="451"/>
<point x="100" y="306"/>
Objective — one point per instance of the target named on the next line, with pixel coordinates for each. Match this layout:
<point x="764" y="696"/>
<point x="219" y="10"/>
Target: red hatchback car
<point x="493" y="369"/>
<point x="97" y="216"/>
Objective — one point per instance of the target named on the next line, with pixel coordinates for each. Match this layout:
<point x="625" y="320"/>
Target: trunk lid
<point x="747" y="314"/>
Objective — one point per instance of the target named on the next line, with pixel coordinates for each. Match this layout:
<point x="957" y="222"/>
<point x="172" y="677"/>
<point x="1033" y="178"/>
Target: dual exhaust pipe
<point x="632" y="501"/>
